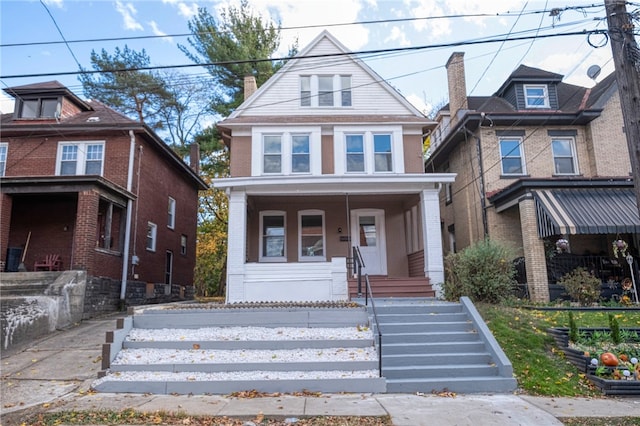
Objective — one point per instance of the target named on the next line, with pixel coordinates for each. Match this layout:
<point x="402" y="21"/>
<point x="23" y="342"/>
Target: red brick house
<point x="100" y="190"/>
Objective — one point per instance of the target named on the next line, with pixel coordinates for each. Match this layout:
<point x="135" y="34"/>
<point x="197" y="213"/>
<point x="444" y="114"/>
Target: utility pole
<point x="626" y="57"/>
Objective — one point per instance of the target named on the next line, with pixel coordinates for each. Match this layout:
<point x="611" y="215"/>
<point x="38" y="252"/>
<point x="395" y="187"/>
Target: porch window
<point x="311" y="235"/>
<point x="564" y="158"/>
<point x="80" y="158"/>
<point x="272" y="235"/>
<point x="3" y="157"/>
<point x="272" y="153"/>
<point x="152" y="235"/>
<point x="511" y="156"/>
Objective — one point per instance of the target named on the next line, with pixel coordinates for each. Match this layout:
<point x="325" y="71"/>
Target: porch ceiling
<point x="332" y="184"/>
<point x="586" y="211"/>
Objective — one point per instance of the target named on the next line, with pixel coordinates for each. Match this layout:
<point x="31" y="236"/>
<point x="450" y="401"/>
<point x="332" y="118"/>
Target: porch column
<point x="533" y="247"/>
<point x="236" y="246"/>
<point x="431" y="235"/>
<point x="85" y="234"/>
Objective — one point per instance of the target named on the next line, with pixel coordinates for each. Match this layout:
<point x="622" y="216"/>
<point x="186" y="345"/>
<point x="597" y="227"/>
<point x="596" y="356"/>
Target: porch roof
<point x="333" y="184"/>
<point x="586" y="211"/>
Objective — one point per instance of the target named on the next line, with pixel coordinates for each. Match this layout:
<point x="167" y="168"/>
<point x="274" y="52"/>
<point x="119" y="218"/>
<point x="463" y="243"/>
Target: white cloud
<point x="6" y="103"/>
<point x="156" y="31"/>
<point x="419" y="103"/>
<point x="398" y="36"/>
<point x="128" y="11"/>
<point x="187" y="10"/>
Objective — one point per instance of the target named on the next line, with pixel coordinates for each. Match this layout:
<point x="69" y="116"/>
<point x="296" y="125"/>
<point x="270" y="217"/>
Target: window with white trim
<point x="370" y="152"/>
<point x="325" y="91"/>
<point x="300" y="154"/>
<point x="152" y="236"/>
<point x="311" y="235"/>
<point x="272" y="153"/>
<point x="536" y="96"/>
<point x="296" y="150"/>
<point x="564" y="158"/>
<point x="3" y="157"/>
<point x="171" y="217"/>
<point x="80" y="158"/>
<point x="273" y="236"/>
<point x="38" y="108"/>
<point x="511" y="156"/>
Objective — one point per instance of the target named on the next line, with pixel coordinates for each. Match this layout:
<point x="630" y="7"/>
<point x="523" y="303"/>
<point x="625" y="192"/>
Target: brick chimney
<point x="457" y="85"/>
<point x="250" y="86"/>
<point x="194" y="157"/>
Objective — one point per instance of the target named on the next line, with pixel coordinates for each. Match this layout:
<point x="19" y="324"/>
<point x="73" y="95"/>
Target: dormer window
<point x="38" y="108"/>
<point x="325" y="90"/>
<point x="536" y="96"/>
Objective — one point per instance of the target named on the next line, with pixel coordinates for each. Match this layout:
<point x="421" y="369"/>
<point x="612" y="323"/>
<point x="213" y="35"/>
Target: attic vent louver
<point x="93" y="119"/>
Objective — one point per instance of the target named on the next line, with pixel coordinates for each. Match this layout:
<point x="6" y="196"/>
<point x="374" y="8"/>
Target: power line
<point x="363" y="52"/>
<point x="370" y="22"/>
<point x="60" y="32"/>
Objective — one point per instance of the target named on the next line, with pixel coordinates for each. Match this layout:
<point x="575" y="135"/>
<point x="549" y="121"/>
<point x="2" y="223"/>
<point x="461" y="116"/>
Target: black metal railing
<point x="358" y="264"/>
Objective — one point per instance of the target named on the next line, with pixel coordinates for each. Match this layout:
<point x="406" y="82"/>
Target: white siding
<point x="283" y="96"/>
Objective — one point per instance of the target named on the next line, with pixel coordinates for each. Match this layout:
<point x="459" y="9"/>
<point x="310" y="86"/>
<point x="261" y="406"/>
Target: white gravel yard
<point x="247" y="333"/>
<point x="193" y="356"/>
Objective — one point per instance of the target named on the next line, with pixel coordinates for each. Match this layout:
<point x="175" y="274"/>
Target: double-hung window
<point x="152" y="236"/>
<point x="171" y="217"/>
<point x="272" y="153"/>
<point x="311" y="235"/>
<point x="3" y="157"/>
<point x="361" y="150"/>
<point x="564" y="158"/>
<point x="300" y="154"/>
<point x="272" y="236"/>
<point x="355" y="153"/>
<point x="511" y="156"/>
<point x="80" y="158"/>
<point x="383" y="159"/>
<point x="325" y="91"/>
<point x="536" y="96"/>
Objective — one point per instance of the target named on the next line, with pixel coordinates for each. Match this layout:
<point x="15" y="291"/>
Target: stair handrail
<point x="358" y="264"/>
<point x="375" y="319"/>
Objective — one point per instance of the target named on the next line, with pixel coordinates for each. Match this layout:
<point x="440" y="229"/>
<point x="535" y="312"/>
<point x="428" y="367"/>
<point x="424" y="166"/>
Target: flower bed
<point x="621" y="379"/>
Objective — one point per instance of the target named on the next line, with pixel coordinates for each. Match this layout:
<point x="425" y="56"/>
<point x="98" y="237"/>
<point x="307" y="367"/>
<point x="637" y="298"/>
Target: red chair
<point x="51" y="262"/>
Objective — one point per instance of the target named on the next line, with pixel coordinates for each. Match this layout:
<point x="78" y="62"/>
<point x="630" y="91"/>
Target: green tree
<point x="121" y="84"/>
<point x="237" y="45"/>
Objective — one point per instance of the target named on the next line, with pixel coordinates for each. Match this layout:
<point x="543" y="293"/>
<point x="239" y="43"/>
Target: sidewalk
<point x="56" y="373"/>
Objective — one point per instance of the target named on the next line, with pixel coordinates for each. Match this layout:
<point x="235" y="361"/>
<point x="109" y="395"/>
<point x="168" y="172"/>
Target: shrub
<point x="581" y="286"/>
<point x="483" y="272"/>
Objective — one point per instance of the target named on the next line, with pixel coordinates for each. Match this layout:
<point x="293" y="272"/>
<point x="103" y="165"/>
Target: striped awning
<point x="586" y="211"/>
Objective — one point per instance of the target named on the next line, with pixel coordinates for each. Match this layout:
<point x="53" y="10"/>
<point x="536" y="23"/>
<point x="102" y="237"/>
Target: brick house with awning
<point x="538" y="161"/>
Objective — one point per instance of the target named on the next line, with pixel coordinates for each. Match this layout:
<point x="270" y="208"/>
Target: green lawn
<point x="539" y="366"/>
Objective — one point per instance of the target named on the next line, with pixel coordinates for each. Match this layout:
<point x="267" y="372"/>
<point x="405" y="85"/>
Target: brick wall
<point x="85" y="233"/>
<point x="5" y="222"/>
<point x="240" y="156"/>
<point x="606" y="142"/>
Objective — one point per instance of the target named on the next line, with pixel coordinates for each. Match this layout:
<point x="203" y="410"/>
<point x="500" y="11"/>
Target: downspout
<point x="483" y="203"/>
<point x="127" y="232"/>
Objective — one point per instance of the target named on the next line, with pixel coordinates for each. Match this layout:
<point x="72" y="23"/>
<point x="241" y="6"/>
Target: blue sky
<point x="419" y="75"/>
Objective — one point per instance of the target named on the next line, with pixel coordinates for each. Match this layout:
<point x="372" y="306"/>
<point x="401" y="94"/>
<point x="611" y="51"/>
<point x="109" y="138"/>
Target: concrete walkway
<point x="56" y="373"/>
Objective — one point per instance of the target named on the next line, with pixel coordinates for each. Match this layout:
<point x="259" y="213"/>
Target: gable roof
<point x="525" y="74"/>
<point x="305" y="53"/>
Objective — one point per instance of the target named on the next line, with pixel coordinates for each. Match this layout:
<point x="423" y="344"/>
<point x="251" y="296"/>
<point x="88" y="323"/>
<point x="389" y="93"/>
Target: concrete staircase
<point x="432" y="346"/>
<point x="169" y="377"/>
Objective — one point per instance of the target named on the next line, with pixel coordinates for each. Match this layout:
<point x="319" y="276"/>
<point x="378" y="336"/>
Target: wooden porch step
<point x="383" y="286"/>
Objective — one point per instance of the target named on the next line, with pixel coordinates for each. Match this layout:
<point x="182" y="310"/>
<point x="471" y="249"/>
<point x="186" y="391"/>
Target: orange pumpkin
<point x="609" y="359"/>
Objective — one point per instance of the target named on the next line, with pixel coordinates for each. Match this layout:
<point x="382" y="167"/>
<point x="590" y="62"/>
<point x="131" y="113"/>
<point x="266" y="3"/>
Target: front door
<point x="367" y="233"/>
